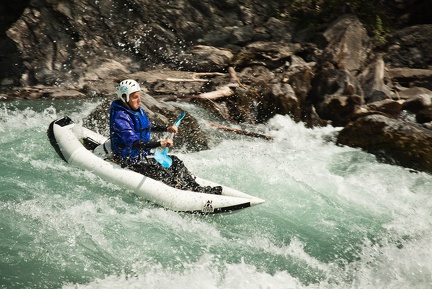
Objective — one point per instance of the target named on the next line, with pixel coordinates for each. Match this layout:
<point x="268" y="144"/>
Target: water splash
<point x="334" y="217"/>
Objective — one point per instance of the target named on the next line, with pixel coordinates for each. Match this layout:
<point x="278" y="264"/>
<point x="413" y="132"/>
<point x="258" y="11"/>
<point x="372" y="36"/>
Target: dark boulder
<point x="424" y="116"/>
<point x="372" y="80"/>
<point x="348" y="44"/>
<point x="410" y="77"/>
<point x="336" y="89"/>
<point x="410" y="47"/>
<point x="419" y="102"/>
<point x="392" y="140"/>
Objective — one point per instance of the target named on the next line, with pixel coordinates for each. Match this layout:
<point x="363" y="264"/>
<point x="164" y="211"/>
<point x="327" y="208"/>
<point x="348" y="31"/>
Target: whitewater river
<point x="334" y="217"/>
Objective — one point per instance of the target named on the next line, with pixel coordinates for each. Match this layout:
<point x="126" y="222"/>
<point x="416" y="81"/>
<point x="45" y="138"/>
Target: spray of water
<point x="334" y="217"/>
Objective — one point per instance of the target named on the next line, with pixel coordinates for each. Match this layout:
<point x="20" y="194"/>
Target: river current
<point x="334" y="216"/>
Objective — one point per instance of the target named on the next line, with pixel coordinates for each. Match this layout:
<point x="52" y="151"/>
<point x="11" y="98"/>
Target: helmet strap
<point x="126" y="103"/>
<point x="124" y="98"/>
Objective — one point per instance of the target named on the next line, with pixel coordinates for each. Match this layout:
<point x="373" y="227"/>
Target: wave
<point x="334" y="216"/>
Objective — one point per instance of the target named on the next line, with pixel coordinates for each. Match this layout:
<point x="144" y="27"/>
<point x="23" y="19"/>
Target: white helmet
<point x="126" y="87"/>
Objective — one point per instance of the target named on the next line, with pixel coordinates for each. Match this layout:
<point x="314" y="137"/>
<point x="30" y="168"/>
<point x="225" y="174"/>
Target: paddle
<point x="162" y="156"/>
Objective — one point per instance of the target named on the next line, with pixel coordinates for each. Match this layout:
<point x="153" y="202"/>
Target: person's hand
<point x="172" y="129"/>
<point x="167" y="143"/>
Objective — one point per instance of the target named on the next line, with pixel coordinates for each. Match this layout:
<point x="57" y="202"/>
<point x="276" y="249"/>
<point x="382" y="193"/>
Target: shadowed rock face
<point x="11" y="63"/>
<point x="62" y="41"/>
<point x="260" y="64"/>
<point x="394" y="140"/>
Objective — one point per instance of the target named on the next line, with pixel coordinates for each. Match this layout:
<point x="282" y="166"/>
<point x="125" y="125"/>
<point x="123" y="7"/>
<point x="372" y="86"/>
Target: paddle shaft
<point x="176" y="124"/>
<point x="171" y="135"/>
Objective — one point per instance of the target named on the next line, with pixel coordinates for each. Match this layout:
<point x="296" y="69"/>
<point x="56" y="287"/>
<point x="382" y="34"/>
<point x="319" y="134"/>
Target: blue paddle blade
<point x="163" y="158"/>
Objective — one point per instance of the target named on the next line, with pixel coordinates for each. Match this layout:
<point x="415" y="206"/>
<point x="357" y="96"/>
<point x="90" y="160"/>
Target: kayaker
<point x="130" y="133"/>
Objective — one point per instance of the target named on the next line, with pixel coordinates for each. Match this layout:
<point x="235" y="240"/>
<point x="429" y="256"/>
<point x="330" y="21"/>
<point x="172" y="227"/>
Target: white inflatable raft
<point x="82" y="148"/>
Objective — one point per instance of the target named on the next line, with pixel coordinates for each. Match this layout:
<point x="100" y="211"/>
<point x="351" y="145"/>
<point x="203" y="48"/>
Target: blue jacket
<point x="129" y="129"/>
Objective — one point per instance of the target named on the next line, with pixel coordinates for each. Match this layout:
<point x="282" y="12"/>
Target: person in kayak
<point x="130" y="133"/>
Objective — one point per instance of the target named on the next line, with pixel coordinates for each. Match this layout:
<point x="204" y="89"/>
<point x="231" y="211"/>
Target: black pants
<point x="177" y="176"/>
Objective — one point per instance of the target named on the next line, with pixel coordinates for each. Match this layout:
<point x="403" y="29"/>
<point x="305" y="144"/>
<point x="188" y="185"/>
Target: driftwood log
<point x="234" y="78"/>
<point x="242" y="132"/>
<point x="196" y="77"/>
<point x="223" y="91"/>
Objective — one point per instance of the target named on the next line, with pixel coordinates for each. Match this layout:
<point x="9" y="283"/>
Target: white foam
<point x="334" y="217"/>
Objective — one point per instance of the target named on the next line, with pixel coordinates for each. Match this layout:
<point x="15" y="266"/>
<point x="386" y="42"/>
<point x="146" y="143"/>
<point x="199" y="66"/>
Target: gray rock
<point x="392" y="140"/>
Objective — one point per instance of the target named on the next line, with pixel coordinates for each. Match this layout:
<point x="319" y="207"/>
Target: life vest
<point x="126" y="127"/>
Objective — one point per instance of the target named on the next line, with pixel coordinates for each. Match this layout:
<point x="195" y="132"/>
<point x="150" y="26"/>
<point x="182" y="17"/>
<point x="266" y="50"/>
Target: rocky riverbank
<point x="235" y="59"/>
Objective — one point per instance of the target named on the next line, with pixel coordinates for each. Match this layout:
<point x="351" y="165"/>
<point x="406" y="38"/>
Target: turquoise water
<point x="334" y="217"/>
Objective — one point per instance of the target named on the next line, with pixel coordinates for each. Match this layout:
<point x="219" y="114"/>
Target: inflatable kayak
<point x="89" y="150"/>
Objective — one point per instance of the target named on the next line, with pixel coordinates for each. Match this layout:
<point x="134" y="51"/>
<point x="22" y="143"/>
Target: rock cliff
<point x="246" y="60"/>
